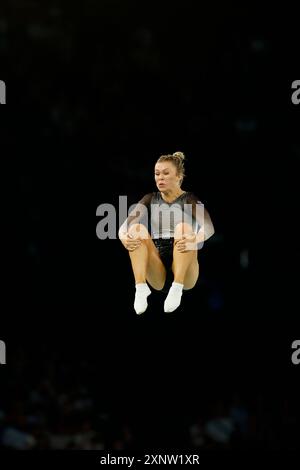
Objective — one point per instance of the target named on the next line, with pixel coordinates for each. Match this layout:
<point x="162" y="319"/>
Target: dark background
<point x="96" y="92"/>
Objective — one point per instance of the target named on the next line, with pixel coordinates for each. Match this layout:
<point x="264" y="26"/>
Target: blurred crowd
<point x="58" y="405"/>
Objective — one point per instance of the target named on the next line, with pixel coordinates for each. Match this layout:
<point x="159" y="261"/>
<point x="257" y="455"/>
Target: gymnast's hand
<point x="130" y="242"/>
<point x="186" y="243"/>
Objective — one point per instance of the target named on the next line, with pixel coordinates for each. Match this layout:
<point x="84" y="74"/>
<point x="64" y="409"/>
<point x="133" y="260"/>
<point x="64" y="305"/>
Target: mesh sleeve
<point x="200" y="213"/>
<point x="139" y="214"/>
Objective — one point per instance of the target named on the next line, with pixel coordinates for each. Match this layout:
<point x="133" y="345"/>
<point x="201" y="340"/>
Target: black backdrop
<point x="95" y="94"/>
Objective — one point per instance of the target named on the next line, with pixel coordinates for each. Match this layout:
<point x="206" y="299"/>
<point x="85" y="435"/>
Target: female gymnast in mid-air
<point x="166" y="255"/>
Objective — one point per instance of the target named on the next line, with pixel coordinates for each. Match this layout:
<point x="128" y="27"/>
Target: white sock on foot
<point x="141" y="293"/>
<point x="174" y="297"/>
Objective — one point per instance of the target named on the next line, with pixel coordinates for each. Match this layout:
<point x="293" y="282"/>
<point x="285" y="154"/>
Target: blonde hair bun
<point x="179" y="155"/>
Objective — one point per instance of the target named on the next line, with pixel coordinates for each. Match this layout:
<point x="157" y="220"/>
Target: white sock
<point x="174" y="297"/>
<point x="141" y="293"/>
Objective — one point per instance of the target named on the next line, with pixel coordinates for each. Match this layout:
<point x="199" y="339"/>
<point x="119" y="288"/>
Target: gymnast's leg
<point x="146" y="265"/>
<point x="185" y="268"/>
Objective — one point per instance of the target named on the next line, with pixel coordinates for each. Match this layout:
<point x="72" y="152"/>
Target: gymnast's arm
<point x="203" y="219"/>
<point x="137" y="215"/>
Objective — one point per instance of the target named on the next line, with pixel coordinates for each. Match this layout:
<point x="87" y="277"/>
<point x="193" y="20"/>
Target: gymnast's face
<point x="166" y="177"/>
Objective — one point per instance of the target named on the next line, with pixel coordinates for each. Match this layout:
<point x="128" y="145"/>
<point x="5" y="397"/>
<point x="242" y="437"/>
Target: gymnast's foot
<point x="141" y="293"/>
<point x="174" y="297"/>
